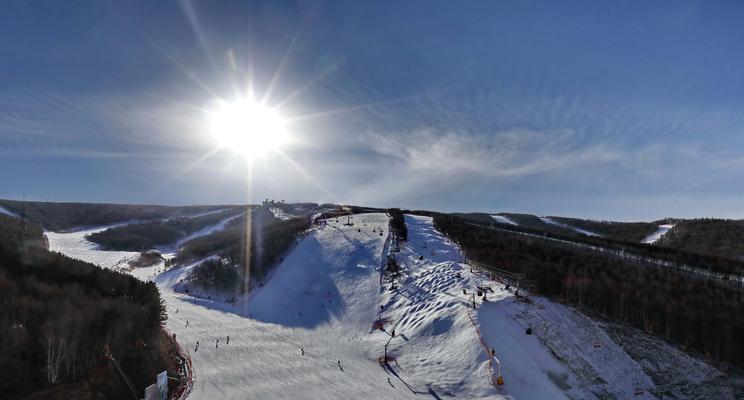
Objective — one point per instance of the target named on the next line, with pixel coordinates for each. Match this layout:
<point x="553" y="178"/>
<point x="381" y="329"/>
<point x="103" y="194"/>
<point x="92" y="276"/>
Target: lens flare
<point x="247" y="127"/>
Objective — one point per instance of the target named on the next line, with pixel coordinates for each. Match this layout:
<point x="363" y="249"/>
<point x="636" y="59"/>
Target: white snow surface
<point x="504" y="219"/>
<point x="279" y="213"/>
<point x="324" y="299"/>
<point x="74" y="244"/>
<point x="551" y="221"/>
<point x="5" y="211"/>
<point x="660" y="231"/>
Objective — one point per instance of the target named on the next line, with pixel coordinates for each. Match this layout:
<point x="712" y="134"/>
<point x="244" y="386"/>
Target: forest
<point x="715" y="237"/>
<point x="619" y="231"/>
<point x="270" y="238"/>
<point x="217" y="275"/>
<point x="622" y="231"/>
<point x="699" y="314"/>
<point x="680" y="257"/>
<point x="61" y="318"/>
<point x="62" y="216"/>
<point x="152" y="234"/>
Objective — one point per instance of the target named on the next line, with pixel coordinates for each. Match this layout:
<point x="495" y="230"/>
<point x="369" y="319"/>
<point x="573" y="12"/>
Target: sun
<point x="247" y="127"/>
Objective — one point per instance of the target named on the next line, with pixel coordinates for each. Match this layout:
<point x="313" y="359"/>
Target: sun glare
<point x="247" y="127"/>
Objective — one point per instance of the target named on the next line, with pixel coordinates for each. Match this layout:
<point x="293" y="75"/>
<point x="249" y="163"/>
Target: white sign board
<point x="163" y="385"/>
<point x="152" y="393"/>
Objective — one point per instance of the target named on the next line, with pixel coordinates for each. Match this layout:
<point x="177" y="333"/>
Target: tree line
<point x="61" y="216"/>
<point x="701" y="314"/>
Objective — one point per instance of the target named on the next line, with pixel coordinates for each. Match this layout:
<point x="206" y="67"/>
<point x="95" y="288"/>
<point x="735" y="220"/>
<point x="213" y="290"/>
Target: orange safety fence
<point x="184" y="388"/>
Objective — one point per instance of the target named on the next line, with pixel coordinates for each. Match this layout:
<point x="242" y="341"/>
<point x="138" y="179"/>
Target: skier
<point x="228" y="340"/>
<point x="302" y="351"/>
<point x="339" y="365"/>
<point x="187" y="323"/>
<point x="217" y="344"/>
<point x="197" y="347"/>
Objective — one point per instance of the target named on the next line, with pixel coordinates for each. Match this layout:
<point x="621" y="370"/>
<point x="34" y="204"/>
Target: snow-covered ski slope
<point x="5" y="211"/>
<point x="74" y="244"/>
<point x="568" y="355"/>
<point x="503" y="219"/>
<point x="551" y="221"/>
<point x="660" y="231"/>
<point x="324" y="299"/>
<point x="321" y="300"/>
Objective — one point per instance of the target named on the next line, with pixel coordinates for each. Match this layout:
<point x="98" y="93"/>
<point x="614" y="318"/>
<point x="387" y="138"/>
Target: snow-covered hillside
<point x="568" y="356"/>
<point x="5" y="211"/>
<point x="551" y="221"/>
<point x="279" y="213"/>
<point x="310" y="332"/>
<point x="324" y="299"/>
<point x="661" y="231"/>
<point x="74" y="244"/>
<point x="503" y="219"/>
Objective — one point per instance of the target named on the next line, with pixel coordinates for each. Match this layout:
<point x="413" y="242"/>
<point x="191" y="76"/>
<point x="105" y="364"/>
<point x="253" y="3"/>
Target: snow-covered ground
<point x="74" y="244"/>
<point x="568" y="354"/>
<point x="324" y="299"/>
<point x="5" y="211"/>
<point x="551" y="221"/>
<point x="279" y="213"/>
<point x="504" y="219"/>
<point x="660" y="231"/>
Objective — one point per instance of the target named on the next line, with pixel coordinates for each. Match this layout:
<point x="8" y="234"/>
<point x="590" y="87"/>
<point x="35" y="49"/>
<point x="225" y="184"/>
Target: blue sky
<point x="617" y="110"/>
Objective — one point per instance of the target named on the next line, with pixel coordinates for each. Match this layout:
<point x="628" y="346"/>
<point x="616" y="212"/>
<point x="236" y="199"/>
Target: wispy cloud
<point x="513" y="153"/>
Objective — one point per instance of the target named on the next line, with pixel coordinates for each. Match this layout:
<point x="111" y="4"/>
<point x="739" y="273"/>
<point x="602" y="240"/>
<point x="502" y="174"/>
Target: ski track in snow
<point x="550" y="221"/>
<point x="660" y="231"/>
<point x="504" y="219"/>
<point x="324" y="298"/>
